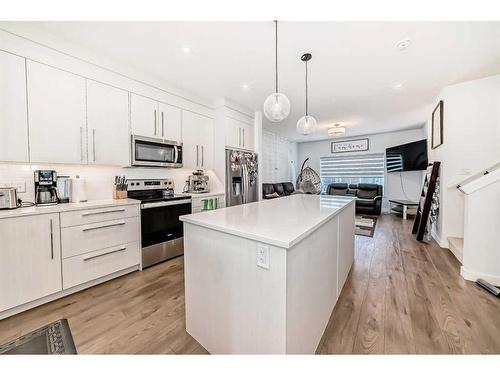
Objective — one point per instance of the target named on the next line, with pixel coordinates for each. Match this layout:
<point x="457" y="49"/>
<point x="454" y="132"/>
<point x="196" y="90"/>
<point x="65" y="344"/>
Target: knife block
<point x="119" y="194"/>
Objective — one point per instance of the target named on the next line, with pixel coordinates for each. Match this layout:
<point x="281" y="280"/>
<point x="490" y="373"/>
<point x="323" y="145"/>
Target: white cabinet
<point x="151" y="118"/>
<point x="30" y="259"/>
<point x="275" y="161"/>
<point x="13" y="113"/>
<point x="143" y="116"/>
<point x="239" y="134"/>
<point x="56" y="110"/>
<point x="170" y="118"/>
<point x="198" y="139"/>
<point x="107" y="125"/>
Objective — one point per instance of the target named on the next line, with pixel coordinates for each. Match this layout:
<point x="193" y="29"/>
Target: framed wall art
<point x="437" y="126"/>
<point x="350" y="146"/>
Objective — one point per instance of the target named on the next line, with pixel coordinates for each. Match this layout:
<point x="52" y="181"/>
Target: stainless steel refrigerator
<point x="241" y="177"/>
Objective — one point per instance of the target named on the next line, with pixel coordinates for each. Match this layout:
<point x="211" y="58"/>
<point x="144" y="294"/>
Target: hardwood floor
<point x="401" y="296"/>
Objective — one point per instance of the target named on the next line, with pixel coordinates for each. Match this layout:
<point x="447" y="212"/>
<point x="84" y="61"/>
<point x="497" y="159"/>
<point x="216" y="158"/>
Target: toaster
<point x="8" y="198"/>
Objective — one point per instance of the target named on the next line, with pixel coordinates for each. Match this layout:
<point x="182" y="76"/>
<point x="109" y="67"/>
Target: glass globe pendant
<point x="277" y="105"/>
<point x="306" y="124"/>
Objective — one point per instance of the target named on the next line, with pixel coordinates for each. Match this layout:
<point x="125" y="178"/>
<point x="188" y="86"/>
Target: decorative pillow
<point x="270" y="196"/>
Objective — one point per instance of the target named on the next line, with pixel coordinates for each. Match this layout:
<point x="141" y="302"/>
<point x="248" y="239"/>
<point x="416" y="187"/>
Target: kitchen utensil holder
<point x="119" y="194"/>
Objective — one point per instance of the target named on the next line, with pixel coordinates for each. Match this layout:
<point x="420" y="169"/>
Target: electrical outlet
<point x="263" y="256"/>
<point x="20" y="186"/>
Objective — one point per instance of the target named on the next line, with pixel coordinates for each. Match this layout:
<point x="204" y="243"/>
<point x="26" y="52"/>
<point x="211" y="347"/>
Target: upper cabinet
<point x="107" y="125"/>
<point x="169" y="120"/>
<point x="151" y="118"/>
<point x="56" y="109"/>
<point x="198" y="136"/>
<point x="13" y="113"/>
<point x="239" y="134"/>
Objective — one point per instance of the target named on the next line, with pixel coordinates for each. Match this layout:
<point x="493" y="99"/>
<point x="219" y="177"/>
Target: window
<point x="352" y="169"/>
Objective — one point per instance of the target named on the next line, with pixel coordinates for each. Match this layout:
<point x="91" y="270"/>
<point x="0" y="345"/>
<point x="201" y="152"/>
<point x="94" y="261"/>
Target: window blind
<point x="353" y="166"/>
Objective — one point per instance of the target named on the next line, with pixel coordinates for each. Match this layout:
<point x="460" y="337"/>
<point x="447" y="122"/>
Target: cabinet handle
<point x="103" y="226"/>
<point x="103" y="254"/>
<point x="93" y="143"/>
<point x="197" y="155"/>
<point x="202" y="154"/>
<point x="162" y="127"/>
<point x="103" y="212"/>
<point x="51" y="241"/>
<point x="155" y="121"/>
<point x="81" y="144"/>
<point x="239" y="137"/>
<point x="243" y="132"/>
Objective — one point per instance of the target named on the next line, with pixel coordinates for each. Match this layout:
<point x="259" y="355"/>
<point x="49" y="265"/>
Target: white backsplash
<point x="99" y="180"/>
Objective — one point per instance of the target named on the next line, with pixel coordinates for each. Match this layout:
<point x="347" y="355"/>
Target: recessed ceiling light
<point x="398" y="86"/>
<point x="186" y="49"/>
<point x="403" y="44"/>
<point x="245" y="86"/>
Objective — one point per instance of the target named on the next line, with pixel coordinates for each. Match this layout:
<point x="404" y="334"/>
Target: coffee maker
<point x="46" y="187"/>
<point x="198" y="183"/>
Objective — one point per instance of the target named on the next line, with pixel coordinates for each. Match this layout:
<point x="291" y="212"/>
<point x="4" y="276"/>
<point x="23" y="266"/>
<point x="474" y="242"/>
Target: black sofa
<point x="369" y="196"/>
<point x="281" y="189"/>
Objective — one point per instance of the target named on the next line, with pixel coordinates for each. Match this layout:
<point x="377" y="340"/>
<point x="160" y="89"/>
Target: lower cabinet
<point x="30" y="259"/>
<point x="90" y="266"/>
<point x="48" y="254"/>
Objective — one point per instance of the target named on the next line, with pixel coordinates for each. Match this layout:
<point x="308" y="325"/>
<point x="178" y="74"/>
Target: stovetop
<point x="153" y="190"/>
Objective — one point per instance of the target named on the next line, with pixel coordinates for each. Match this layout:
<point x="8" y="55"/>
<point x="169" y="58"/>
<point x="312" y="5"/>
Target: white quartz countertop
<point x="63" y="207"/>
<point x="281" y="222"/>
<point x="203" y="195"/>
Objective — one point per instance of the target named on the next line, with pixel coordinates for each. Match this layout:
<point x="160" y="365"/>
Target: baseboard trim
<point x="442" y="243"/>
<point x="473" y="276"/>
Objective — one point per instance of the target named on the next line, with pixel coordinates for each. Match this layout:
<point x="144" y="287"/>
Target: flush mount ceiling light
<point x="336" y="131"/>
<point x="277" y="105"/>
<point x="306" y="124"/>
<point x="403" y="44"/>
<point x="186" y="50"/>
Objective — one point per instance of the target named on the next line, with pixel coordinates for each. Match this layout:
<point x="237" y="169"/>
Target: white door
<point x="56" y="110"/>
<point x="191" y="150"/>
<point x="247" y="136"/>
<point x="233" y="133"/>
<point x="144" y="116"/>
<point x="170" y="119"/>
<point x="207" y="142"/>
<point x="13" y="115"/>
<point x="107" y="125"/>
<point x="30" y="260"/>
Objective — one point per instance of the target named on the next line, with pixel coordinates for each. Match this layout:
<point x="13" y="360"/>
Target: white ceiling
<point x="352" y="75"/>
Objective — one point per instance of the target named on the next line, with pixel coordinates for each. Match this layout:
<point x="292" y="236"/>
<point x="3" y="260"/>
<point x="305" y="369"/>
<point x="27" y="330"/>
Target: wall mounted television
<point x="407" y="157"/>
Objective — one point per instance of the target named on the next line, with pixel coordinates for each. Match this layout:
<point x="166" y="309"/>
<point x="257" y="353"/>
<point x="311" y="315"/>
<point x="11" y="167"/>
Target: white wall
<point x="471" y="143"/>
<point x="412" y="181"/>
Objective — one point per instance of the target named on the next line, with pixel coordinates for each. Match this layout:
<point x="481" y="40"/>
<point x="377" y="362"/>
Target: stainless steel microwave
<point x="156" y="152"/>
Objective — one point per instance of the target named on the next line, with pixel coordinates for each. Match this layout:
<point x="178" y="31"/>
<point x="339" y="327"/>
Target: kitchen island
<point x="264" y="277"/>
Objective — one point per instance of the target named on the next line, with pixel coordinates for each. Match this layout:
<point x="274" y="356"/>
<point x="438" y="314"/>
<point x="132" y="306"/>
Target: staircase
<point x="457" y="247"/>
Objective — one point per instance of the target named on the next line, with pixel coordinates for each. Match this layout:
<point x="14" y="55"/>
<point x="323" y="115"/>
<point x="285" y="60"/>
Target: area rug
<point x="365" y="225"/>
<point x="54" y="338"/>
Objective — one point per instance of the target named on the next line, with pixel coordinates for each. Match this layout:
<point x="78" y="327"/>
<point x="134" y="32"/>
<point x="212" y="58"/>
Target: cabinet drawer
<point x="96" y="215"/>
<point x="82" y="268"/>
<point x="85" y="238"/>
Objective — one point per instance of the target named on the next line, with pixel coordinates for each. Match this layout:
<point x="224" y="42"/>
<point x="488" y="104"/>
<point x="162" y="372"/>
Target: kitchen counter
<point x="281" y="222"/>
<point x="266" y="275"/>
<point x="203" y="195"/>
<point x="64" y="207"/>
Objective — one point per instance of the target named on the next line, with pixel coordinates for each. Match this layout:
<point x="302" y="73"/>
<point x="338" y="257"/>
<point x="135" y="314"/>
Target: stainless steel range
<point x="161" y="229"/>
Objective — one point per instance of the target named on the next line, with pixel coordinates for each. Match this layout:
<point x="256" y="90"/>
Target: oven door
<point x="160" y="221"/>
<point x="153" y="152"/>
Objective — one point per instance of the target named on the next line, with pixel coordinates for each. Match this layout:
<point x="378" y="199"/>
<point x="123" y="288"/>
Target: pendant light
<point x="336" y="131"/>
<point x="277" y="105"/>
<point x="306" y="124"/>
